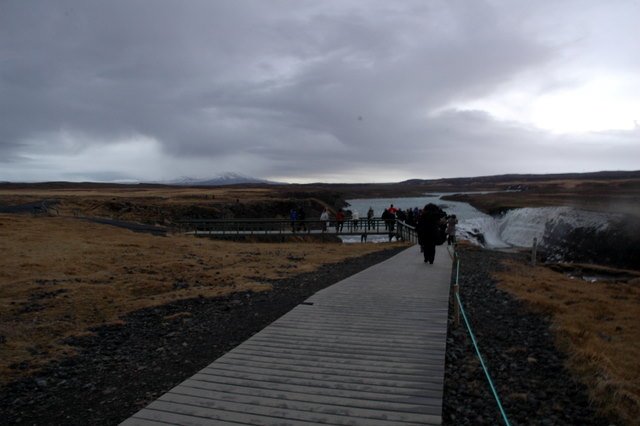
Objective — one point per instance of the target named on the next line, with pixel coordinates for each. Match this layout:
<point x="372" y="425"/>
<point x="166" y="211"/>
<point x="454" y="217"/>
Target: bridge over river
<point x="273" y="227"/>
<point x="369" y="350"/>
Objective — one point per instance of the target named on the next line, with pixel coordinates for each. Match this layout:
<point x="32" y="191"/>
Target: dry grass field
<point x="61" y="275"/>
<point x="141" y="203"/>
<point x="596" y="324"/>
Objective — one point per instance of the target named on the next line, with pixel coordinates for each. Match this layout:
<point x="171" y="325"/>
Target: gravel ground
<point x="122" y="368"/>
<point x="528" y="372"/>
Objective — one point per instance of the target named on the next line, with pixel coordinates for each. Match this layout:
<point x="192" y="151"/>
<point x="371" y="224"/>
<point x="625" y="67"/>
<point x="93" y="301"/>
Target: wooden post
<point x="534" y="250"/>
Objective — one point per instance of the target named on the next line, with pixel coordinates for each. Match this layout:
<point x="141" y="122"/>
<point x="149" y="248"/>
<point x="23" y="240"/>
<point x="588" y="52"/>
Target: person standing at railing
<point x="389" y="220"/>
<point x="324" y="219"/>
<point x="293" y="216"/>
<point x="339" y="221"/>
<point x="355" y="217"/>
<point x="370" y="218"/>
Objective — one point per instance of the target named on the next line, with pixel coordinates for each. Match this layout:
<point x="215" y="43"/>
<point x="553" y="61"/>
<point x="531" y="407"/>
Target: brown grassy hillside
<point x="605" y="195"/>
<point x="62" y="275"/>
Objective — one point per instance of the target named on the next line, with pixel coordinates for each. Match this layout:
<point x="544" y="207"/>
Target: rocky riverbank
<point x="519" y="352"/>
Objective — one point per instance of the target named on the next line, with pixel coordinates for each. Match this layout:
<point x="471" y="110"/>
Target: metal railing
<point x="407" y="232"/>
<point x="374" y="226"/>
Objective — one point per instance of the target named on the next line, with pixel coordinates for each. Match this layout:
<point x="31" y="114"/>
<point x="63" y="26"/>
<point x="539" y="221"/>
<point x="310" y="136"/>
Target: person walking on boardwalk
<point x="293" y="216"/>
<point x="324" y="220"/>
<point x="370" y="218"/>
<point x="452" y="221"/>
<point x="355" y="217"/>
<point x="428" y="230"/>
<point x="339" y="221"/>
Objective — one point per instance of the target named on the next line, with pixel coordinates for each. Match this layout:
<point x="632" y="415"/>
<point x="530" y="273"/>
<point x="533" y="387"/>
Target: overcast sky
<point x="304" y="91"/>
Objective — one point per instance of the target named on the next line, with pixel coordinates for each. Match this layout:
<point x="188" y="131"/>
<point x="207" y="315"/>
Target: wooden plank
<point x="257" y="414"/>
<point x="344" y="362"/>
<point x="294" y="352"/>
<point x="284" y="376"/>
<point x="422" y="396"/>
<point x="361" y="400"/>
<point x="331" y="366"/>
<point x="343" y="385"/>
<point x="345" y="351"/>
<point x="135" y="421"/>
<point x="366" y="351"/>
<point x="323" y="368"/>
<point x="361" y="341"/>
<point x="298" y="410"/>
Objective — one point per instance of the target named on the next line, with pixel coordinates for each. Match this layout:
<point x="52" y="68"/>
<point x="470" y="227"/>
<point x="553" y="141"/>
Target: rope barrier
<point x="484" y="367"/>
<point x="475" y="343"/>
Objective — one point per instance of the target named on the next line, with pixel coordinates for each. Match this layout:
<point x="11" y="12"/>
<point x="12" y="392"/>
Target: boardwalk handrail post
<point x="534" y="250"/>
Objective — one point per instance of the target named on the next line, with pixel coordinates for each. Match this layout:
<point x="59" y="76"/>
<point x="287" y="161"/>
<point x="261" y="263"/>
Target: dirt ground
<point x="595" y="322"/>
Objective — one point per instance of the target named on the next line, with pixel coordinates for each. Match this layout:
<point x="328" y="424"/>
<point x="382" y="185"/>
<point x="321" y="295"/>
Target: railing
<point x="407" y="232"/>
<point x="374" y="226"/>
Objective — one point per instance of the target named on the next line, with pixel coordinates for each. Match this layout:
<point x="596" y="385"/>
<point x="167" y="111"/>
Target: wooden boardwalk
<point x="368" y="350"/>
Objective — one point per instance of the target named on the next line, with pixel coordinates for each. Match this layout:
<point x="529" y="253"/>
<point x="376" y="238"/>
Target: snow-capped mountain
<point x="228" y="178"/>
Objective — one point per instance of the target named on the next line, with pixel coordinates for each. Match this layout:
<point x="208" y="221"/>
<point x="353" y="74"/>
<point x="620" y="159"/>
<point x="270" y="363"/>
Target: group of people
<point x="433" y="225"/>
<point x="341" y="218"/>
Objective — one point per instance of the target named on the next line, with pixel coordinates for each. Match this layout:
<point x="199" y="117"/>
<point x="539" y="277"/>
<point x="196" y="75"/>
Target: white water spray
<point x="518" y="227"/>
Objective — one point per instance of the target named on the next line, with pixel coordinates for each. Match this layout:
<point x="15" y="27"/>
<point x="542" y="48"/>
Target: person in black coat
<point x="429" y="230"/>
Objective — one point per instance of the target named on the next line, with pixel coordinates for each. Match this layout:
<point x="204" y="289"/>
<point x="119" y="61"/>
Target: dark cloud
<point x="272" y="88"/>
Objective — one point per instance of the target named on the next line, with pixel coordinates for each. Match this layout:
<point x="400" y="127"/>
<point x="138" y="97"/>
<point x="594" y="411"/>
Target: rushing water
<point x="516" y="228"/>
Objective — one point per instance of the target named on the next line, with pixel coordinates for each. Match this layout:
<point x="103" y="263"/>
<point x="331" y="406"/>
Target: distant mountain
<point x="219" y="180"/>
<point x="603" y="175"/>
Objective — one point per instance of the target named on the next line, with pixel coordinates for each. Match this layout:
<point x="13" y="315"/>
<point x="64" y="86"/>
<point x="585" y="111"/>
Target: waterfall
<point x="518" y="227"/>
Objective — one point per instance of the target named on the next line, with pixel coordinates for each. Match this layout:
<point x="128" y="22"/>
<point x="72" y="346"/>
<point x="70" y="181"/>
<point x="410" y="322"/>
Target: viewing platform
<point x="368" y="350"/>
<point x="274" y="227"/>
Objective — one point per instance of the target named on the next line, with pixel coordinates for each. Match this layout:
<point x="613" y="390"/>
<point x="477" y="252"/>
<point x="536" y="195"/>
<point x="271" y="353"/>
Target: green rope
<point x="475" y="344"/>
<point x="486" y="372"/>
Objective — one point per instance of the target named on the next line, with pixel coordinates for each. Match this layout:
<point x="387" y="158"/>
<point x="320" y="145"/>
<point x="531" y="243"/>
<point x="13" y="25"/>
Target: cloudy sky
<point x="303" y="91"/>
